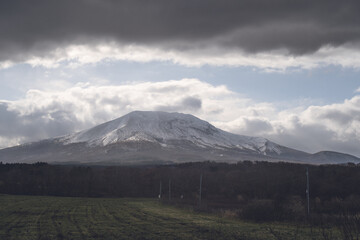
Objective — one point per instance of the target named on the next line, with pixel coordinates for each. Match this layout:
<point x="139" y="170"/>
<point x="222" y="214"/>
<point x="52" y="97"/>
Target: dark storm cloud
<point x="301" y="26"/>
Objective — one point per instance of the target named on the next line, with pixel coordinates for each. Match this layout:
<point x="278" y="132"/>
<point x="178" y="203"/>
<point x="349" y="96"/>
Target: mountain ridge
<point x="160" y="137"/>
<point x="161" y="127"/>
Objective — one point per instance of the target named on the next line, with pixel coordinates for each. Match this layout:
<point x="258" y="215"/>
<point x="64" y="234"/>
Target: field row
<point x="24" y="217"/>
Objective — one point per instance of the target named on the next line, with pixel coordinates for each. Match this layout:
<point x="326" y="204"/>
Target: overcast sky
<point x="285" y="70"/>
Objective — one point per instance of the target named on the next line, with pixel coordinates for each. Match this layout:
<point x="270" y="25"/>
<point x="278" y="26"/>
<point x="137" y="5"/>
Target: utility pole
<point x="307" y="192"/>
<point x="169" y="189"/>
<point x="160" y="190"/>
<point x="200" y="190"/>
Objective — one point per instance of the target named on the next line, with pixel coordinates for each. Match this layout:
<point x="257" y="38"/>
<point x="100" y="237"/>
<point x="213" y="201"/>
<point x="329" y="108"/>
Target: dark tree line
<point x="258" y="191"/>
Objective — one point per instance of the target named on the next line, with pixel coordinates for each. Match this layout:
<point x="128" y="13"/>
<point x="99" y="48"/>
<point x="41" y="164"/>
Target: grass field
<point x="39" y="217"/>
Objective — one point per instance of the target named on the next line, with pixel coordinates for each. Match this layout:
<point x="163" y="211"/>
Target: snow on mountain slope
<point x="160" y="138"/>
<point x="163" y="127"/>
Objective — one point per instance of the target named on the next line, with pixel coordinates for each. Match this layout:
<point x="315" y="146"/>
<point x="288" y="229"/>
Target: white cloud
<point x="280" y="60"/>
<point x="43" y="114"/>
<point x="6" y="64"/>
<point x="328" y="127"/>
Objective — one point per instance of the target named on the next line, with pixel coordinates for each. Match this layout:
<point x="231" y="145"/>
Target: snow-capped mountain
<point x="160" y="137"/>
<point x="163" y="128"/>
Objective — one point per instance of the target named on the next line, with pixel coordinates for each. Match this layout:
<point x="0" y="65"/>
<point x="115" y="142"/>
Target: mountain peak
<point x="164" y="128"/>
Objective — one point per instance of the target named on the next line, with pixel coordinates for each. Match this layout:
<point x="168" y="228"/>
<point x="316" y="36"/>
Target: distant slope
<point x="160" y="137"/>
<point x="333" y="157"/>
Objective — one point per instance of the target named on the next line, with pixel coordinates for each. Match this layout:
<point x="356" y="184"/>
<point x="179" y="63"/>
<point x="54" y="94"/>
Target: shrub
<point x="259" y="210"/>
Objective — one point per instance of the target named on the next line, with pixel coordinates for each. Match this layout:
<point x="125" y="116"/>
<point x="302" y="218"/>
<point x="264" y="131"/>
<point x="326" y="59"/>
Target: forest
<point x="258" y="191"/>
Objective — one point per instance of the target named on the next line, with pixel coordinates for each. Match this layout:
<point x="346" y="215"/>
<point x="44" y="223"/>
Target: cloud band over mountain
<point x="42" y="114"/>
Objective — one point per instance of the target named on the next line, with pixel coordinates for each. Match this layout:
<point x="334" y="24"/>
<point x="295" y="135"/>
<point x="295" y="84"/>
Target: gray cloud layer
<point x="301" y="26"/>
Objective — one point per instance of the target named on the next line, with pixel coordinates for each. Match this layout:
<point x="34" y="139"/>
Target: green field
<point x="38" y="217"/>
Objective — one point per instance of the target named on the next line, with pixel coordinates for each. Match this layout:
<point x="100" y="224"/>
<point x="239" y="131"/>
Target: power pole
<point x="169" y="189"/>
<point x="307" y="192"/>
<point x="160" y="190"/>
<point x="200" y="190"/>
